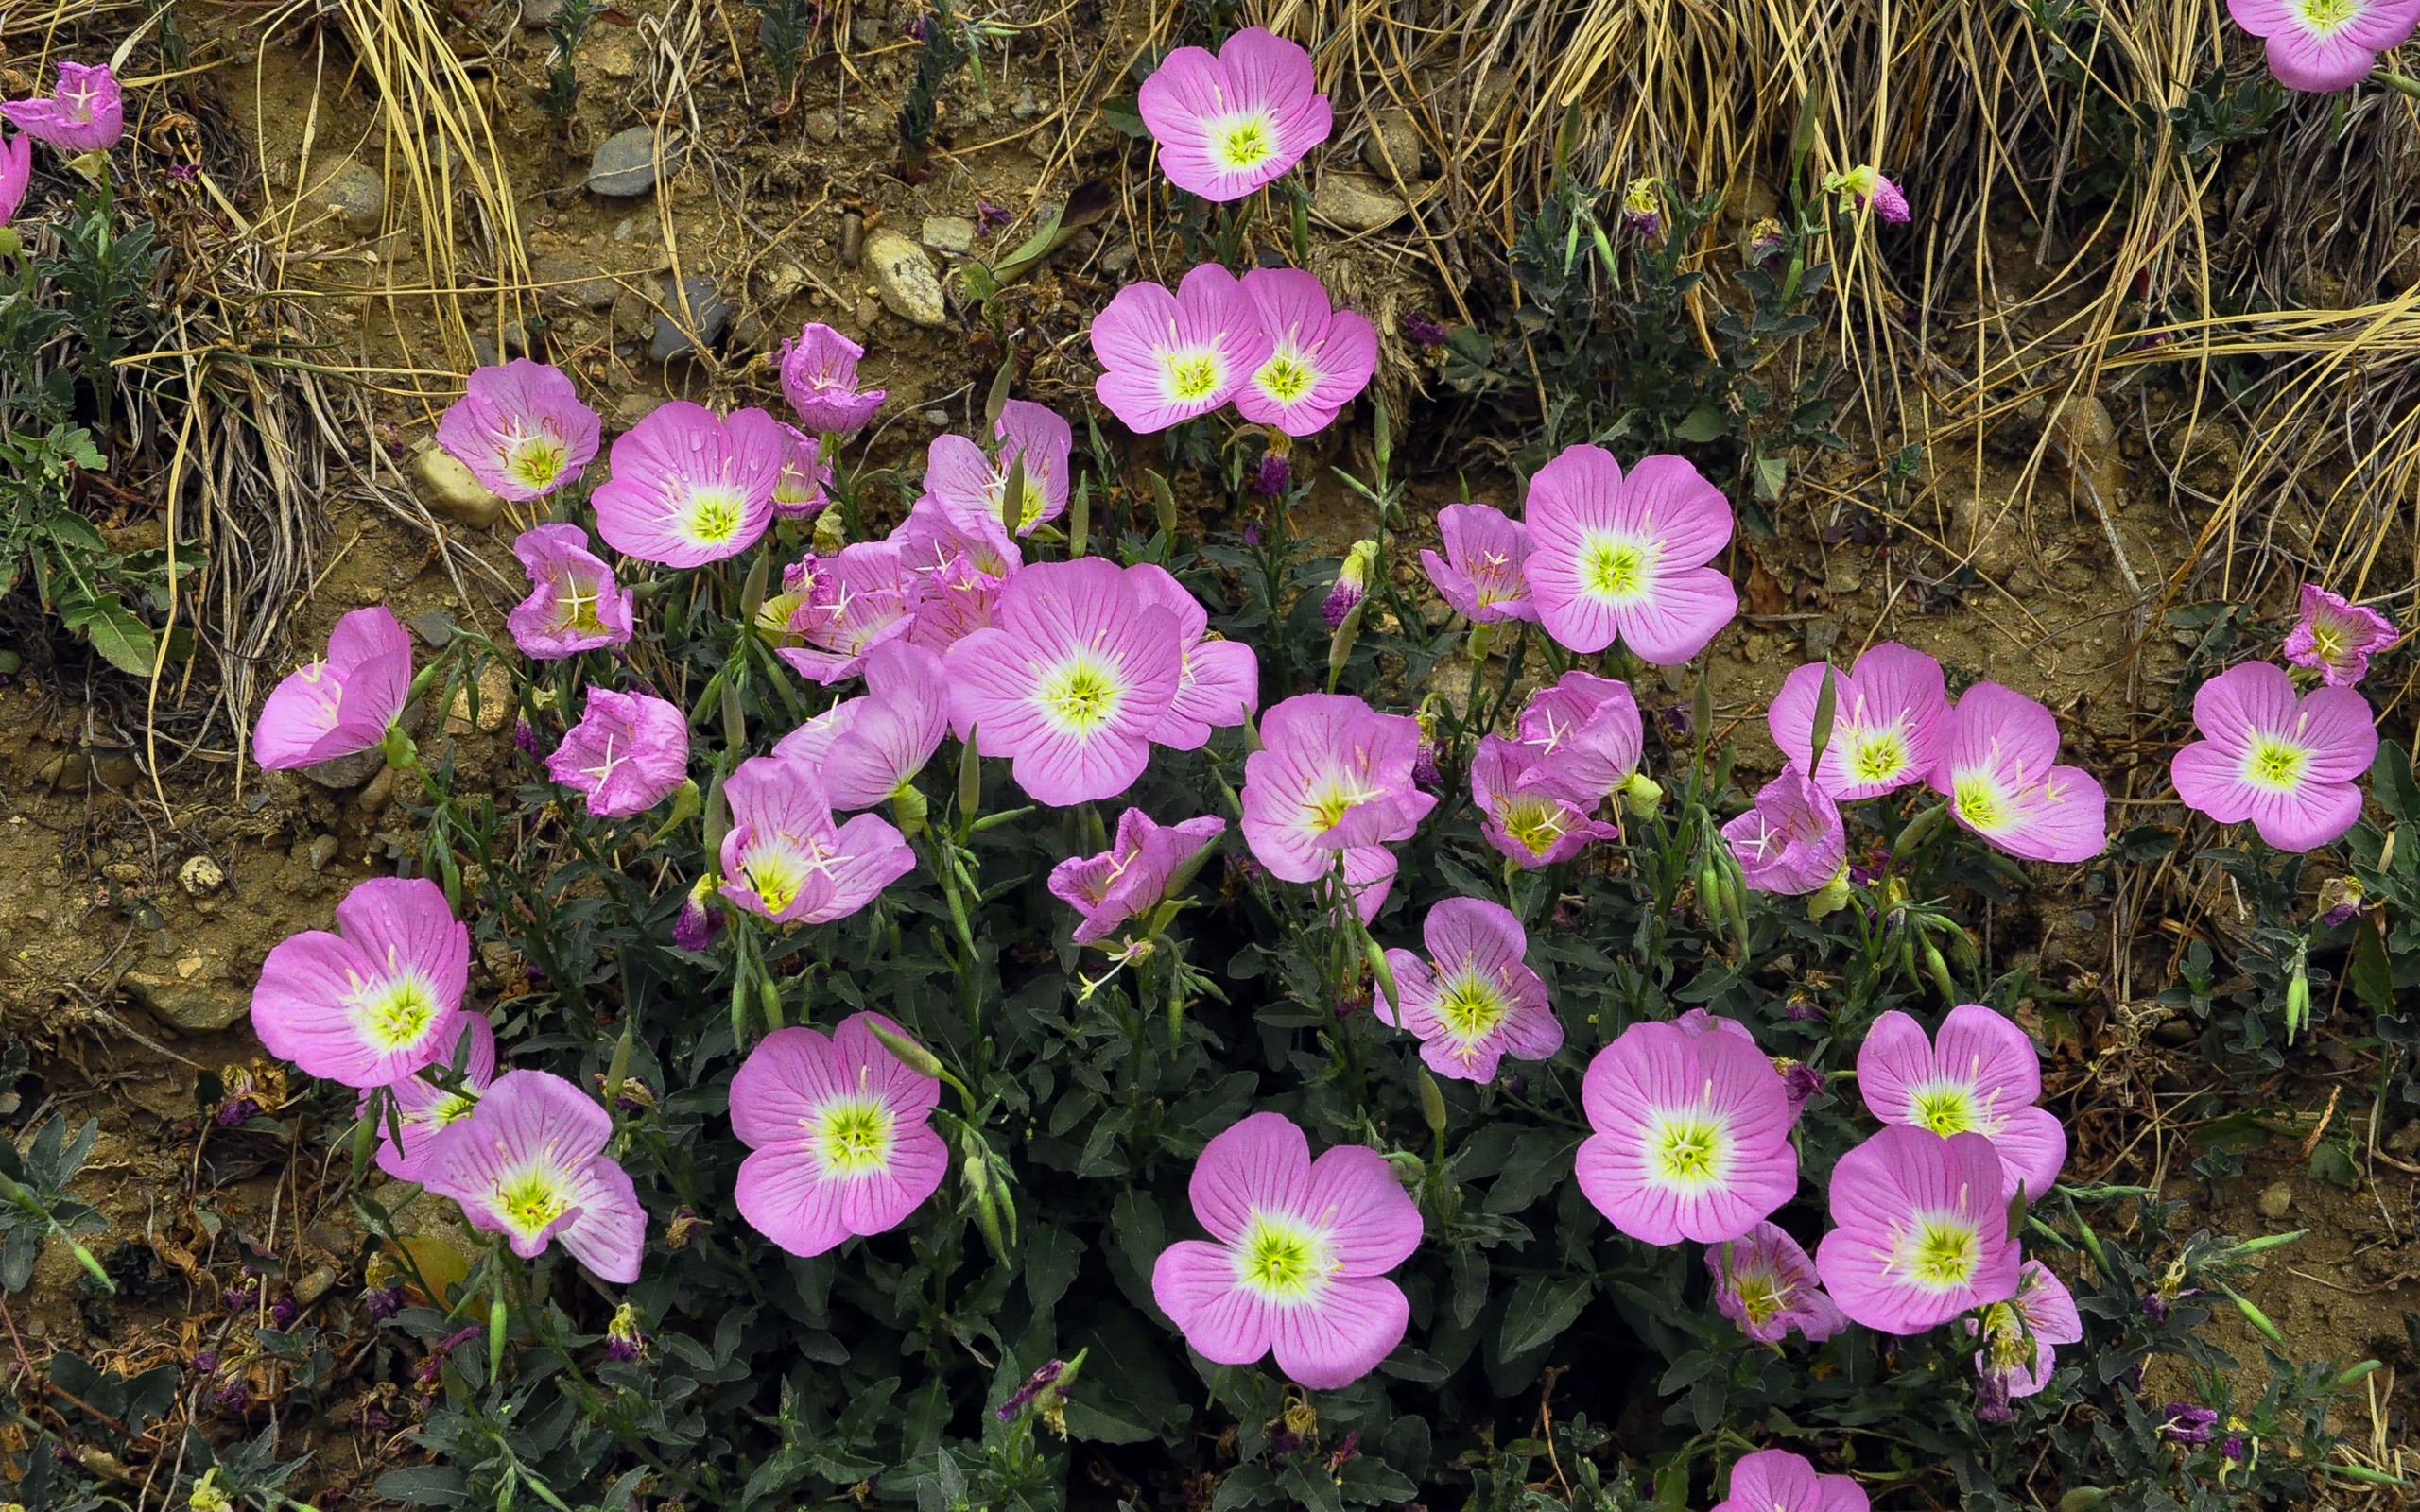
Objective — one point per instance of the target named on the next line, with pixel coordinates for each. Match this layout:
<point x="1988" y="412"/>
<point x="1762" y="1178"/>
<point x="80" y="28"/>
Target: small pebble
<point x="624" y="165"/>
<point x="200" y="876"/>
<point x="2276" y="1201"/>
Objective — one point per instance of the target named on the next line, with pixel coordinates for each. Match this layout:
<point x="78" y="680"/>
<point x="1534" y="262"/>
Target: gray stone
<point x="2276" y="1201"/>
<point x="821" y="125"/>
<point x="572" y="276"/>
<point x="953" y="235"/>
<point x="1118" y="257"/>
<point x="868" y="34"/>
<point x="200" y="876"/>
<point x="681" y="332"/>
<point x="348" y="772"/>
<point x="198" y="1007"/>
<point x="1356" y="202"/>
<point x="1393" y="149"/>
<point x="538" y="12"/>
<point x="624" y="166"/>
<point x="354" y="195"/>
<point x="483" y="352"/>
<point x="905" y="278"/>
<point x="451" y="490"/>
<point x="323" y="849"/>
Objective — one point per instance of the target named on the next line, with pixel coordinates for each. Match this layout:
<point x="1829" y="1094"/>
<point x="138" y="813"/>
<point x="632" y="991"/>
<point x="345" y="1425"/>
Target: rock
<point x="904" y="277"/>
<point x="354" y="195"/>
<point x="450" y="488"/>
<point x="1821" y="636"/>
<point x="1393" y="149"/>
<point x="1355" y="203"/>
<point x="572" y="276"/>
<point x="681" y="332"/>
<point x="198" y="1008"/>
<point x="952" y="235"/>
<point x="379" y="792"/>
<point x="625" y="166"/>
<point x="631" y="408"/>
<point x="483" y="352"/>
<point x="496" y="703"/>
<point x="538" y="12"/>
<point x="348" y="771"/>
<point x="1117" y="259"/>
<point x="200" y="876"/>
<point x="2276" y="1200"/>
<point x="323" y="849"/>
<point x="867" y="34"/>
<point x="821" y="125"/>
<point x="318" y="1284"/>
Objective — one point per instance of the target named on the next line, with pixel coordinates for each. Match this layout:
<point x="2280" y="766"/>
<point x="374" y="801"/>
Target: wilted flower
<point x="2289" y="765"/>
<point x="1228" y="124"/>
<point x="2339" y="901"/>
<point x="1352" y="582"/>
<point x="86" y="113"/>
<point x="1866" y="185"/>
<point x="2018" y="1334"/>
<point x="1767" y="241"/>
<point x="841" y="1134"/>
<point x="1045" y="1393"/>
<point x="1168" y="358"/>
<point x="2184" y="1423"/>
<point x="1801" y="1080"/>
<point x="1133" y="875"/>
<point x="529" y="1162"/>
<point x="380" y="1303"/>
<point x="819" y="379"/>
<point x="1615" y="557"/>
<point x="1643" y="207"/>
<point x="690" y="489"/>
<point x="2333" y="636"/>
<point x="1980" y="1075"/>
<point x="1472" y="1000"/>
<point x="1792" y="843"/>
<point x="1920" y="1231"/>
<point x="1269" y="482"/>
<point x="1692" y="1133"/>
<point x="627" y="754"/>
<point x="574" y="604"/>
<point x="1320" y="358"/>
<point x="343" y="704"/>
<point x="624" y="1342"/>
<point x="1764" y="1282"/>
<point x="377" y="999"/>
<point x="1998" y="769"/>
<point x="1424" y="330"/>
<point x="521" y="429"/>
<point x="1480" y="572"/>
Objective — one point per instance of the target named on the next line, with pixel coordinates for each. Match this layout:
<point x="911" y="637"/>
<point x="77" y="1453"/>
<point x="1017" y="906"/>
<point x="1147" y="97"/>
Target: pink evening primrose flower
<point x="378" y="998"/>
<point x="1980" y="1075"/>
<point x="952" y="602"/>
<point x="1472" y="1000"/>
<point x="574" y="605"/>
<point x="86" y="113"/>
<point x="2320" y="46"/>
<point x="1333" y="777"/>
<point x="16" y="173"/>
<point x="1297" y="1258"/>
<point x="1131" y="877"/>
<point x="785" y="860"/>
<point x="529" y="1164"/>
<point x="1532" y="813"/>
<point x="1168" y="358"/>
<point x="1873" y="192"/>
<point x="2289" y="765"/>
<point x="2333" y="637"/>
<point x="1920" y="1231"/>
<point x="424" y="1110"/>
<point x="2019" y="1334"/>
<point x="1998" y="769"/>
<point x="1320" y="358"/>
<point x="1889" y="713"/>
<point x="627" y="754"/>
<point x="1480" y="572"/>
<point x="819" y="379"/>
<point x="1775" y="1480"/>
<point x="688" y="488"/>
<point x="521" y="429"/>
<point x="1070" y="681"/>
<point x="1692" y="1133"/>
<point x="1614" y="557"/>
<point x="1585" y="734"/>
<point x="803" y="490"/>
<point x="867" y="749"/>
<point x="1219" y="686"/>
<point x="1792" y="843"/>
<point x="1764" y="1282"/>
<point x="971" y="485"/>
<point x="933" y="535"/>
<point x="863" y="598"/>
<point x="1227" y="125"/>
<point x="840" y="1133"/>
<point x="343" y="703"/>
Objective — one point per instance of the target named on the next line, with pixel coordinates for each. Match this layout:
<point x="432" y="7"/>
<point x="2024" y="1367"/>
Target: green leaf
<point x="1702" y="424"/>
<point x="1539" y="1309"/>
<point x="125" y="641"/>
<point x="426" y="1486"/>
<point x="1772" y="473"/>
<point x="2330" y="1163"/>
<point x="1371" y="1482"/>
<point x="2371" y="972"/>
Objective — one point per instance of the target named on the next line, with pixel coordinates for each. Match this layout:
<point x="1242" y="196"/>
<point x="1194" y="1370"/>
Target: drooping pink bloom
<point x="1333" y="776"/>
<point x="343" y="703"/>
<point x="86" y="113"/>
<point x="1297" y="1258"/>
<point x="1775" y="1480"/>
<point x="378" y="998"/>
<point x="2019" y="1334"/>
<point x="1875" y="192"/>
<point x="1585" y="734"/>
<point x="785" y="860"/>
<point x="803" y="490"/>
<point x="1320" y="358"/>
<point x="16" y="173"/>
<point x="952" y="602"/>
<point x="1889" y="713"/>
<point x="863" y="597"/>
<point x="1531" y="811"/>
<point x="1980" y="1075"/>
<point x="2289" y="765"/>
<point x="971" y="485"/>
<point x="1131" y="877"/>
<point x="1920" y="1231"/>
<point x="1481" y="573"/>
<point x="529" y="1164"/>
<point x="1474" y="1000"/>
<point x="688" y="488"/>
<point x="1069" y="682"/>
<point x="2333" y="637"/>
<point x="1998" y="769"/>
<point x="1614" y="557"/>
<point x="1692" y="1134"/>
<point x="1792" y="843"/>
<point x="841" y="1134"/>
<point x="521" y="429"/>
<point x="1764" y="1282"/>
<point x="424" y="1110"/>
<point x="627" y="754"/>
<point x="867" y="750"/>
<point x="1228" y="124"/>
<point x="1168" y="358"/>
<point x="1219" y="684"/>
<point x="933" y="535"/>
<point x="2322" y="47"/>
<point x="574" y="605"/>
<point x="819" y="379"/>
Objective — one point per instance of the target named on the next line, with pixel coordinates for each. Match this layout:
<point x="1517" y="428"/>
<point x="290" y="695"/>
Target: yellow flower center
<point x="1946" y="1110"/>
<point x="1535" y="823"/>
<point x="397" y="1012"/>
<point x="1616" y="571"/>
<point x="530" y="1199"/>
<point x="854" y="1136"/>
<point x="1761" y="1295"/>
<point x="1978" y="801"/>
<point x="576" y="606"/>
<point x="2327" y="17"/>
<point x="1471" y="1007"/>
<point x="1281" y="1258"/>
<point x="1942" y="1253"/>
<point x="1193" y="376"/>
<point x="1244" y="143"/>
<point x="536" y="461"/>
<point x="1285" y="377"/>
<point x="1081" y="694"/>
<point x="2274" y="764"/>
<point x="715" y="515"/>
<point x="1685" y="1150"/>
<point x="1876" y="755"/>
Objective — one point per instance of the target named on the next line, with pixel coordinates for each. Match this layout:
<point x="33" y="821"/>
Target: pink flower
<point x="574" y="605"/>
<point x="2322" y="47"/>
<point x="1473" y="1001"/>
<point x="1481" y="573"/>
<point x="16" y="173"/>
<point x="2289" y="765"/>
<point x="785" y="860"/>
<point x="1997" y="769"/>
<point x="688" y="488"/>
<point x="85" y="113"/>
<point x="1692" y="1133"/>
<point x="1764" y="1282"/>
<point x="627" y="754"/>
<point x="1920" y="1231"/>
<point x="802" y="491"/>
<point x="1297" y="1258"/>
<point x="1168" y="358"/>
<point x="529" y="1164"/>
<point x="1585" y="734"/>
<point x="952" y="602"/>
<point x="863" y="599"/>
<point x="1532" y="813"/>
<point x="1131" y="877"/>
<point x="1077" y="671"/>
<point x="521" y="429"/>
<point x="342" y="704"/>
<point x="867" y="749"/>
<point x="1230" y="124"/>
<point x="1626" y="556"/>
<point x="1981" y="1075"/>
<point x="1890" y="717"/>
<point x="842" y="1136"/>
<point x="378" y="998"/>
<point x="1219" y="684"/>
<point x="2018" y="1334"/>
<point x="1775" y="1480"/>
<point x="2333" y="637"/>
<point x="969" y="484"/>
<point x="1333" y="776"/>
<point x="1320" y="358"/>
<point x="424" y="1109"/>
<point x="1875" y="192"/>
<point x="934" y="535"/>
<point x="819" y="379"/>
<point x="1792" y="843"/>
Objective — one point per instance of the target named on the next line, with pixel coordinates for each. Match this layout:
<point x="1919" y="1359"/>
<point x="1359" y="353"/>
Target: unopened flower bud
<point x="831" y="533"/>
<point x="1642" y="795"/>
<point x="694" y="930"/>
<point x="1352" y="583"/>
